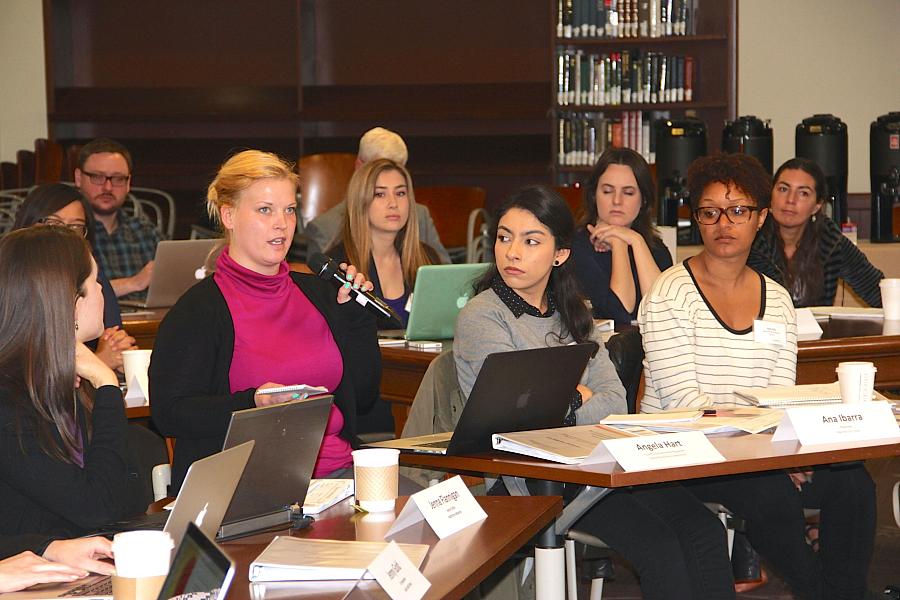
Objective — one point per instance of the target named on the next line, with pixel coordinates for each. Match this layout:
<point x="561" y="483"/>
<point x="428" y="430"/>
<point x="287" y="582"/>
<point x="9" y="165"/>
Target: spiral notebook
<point x="795" y="395"/>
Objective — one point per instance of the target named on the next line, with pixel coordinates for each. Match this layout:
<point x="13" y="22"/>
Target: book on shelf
<point x="301" y="559"/>
<point x="583" y="136"/>
<point x="795" y="395"/>
<point x="625" y="18"/>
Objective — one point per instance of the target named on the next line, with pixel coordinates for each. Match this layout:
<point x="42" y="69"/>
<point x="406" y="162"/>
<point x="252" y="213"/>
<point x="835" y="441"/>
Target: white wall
<point x="801" y="57"/>
<point x="23" y="100"/>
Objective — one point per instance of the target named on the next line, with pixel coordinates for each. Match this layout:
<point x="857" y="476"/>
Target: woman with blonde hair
<point x="254" y="325"/>
<point x="379" y="235"/>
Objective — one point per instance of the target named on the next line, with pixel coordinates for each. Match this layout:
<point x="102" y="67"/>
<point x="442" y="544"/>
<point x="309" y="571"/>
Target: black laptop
<point x="514" y="391"/>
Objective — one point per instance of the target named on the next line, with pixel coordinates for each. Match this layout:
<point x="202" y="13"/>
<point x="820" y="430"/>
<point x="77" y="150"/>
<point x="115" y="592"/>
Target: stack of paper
<point x="567" y="445"/>
<point x="301" y="559"/>
<point x="325" y="493"/>
<point x="714" y="422"/>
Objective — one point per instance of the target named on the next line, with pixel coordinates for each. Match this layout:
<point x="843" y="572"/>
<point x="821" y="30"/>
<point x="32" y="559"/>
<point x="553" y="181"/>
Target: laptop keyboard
<point x="98" y="588"/>
<point x="440" y="444"/>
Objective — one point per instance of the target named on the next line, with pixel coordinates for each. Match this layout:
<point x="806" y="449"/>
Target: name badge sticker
<point x="662" y="451"/>
<point x="448" y="507"/>
<point x="769" y="333"/>
<point x="397" y="575"/>
<point x="836" y="423"/>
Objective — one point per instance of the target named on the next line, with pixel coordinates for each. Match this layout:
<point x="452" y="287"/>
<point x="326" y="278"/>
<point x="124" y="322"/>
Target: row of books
<point x="626" y="77"/>
<point x="582" y="137"/>
<point x="625" y="18"/>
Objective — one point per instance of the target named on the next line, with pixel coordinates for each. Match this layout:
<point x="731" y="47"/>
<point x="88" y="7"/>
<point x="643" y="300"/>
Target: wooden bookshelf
<point x="713" y="45"/>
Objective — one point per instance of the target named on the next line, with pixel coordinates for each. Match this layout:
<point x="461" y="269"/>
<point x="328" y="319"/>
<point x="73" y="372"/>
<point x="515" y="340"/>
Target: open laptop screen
<point x="199" y="571"/>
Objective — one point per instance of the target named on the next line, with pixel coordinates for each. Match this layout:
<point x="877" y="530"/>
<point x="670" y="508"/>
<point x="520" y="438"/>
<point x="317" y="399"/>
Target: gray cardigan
<point x="486" y="326"/>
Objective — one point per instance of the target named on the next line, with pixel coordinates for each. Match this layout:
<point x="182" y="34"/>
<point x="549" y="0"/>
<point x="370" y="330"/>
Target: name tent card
<point x="397" y="575"/>
<point x="645" y="453"/>
<point x="448" y="507"/>
<point x="835" y="423"/>
<point x="136" y="395"/>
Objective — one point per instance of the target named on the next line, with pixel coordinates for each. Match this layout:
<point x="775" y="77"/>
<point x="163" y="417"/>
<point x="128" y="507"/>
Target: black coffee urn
<point x="823" y="139"/>
<point x="678" y="143"/>
<point x="749" y="135"/>
<point x="884" y="173"/>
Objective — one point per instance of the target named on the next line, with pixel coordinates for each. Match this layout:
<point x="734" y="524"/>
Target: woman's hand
<point x="356" y="281"/>
<point x="604" y="237"/>
<point x="82" y="553"/>
<point x="111" y="344"/>
<point x="89" y="366"/>
<point x="586" y="393"/>
<point x="28" y="569"/>
<point x="270" y="399"/>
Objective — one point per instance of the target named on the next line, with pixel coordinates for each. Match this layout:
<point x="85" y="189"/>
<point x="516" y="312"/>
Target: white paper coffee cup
<point x="142" y="553"/>
<point x="856" y="380"/>
<point x="136" y="363"/>
<point x="890" y="298"/>
<point x="377" y="473"/>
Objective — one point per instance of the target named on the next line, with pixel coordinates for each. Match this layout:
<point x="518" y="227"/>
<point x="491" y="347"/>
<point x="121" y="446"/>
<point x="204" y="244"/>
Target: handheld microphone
<point x="328" y="269"/>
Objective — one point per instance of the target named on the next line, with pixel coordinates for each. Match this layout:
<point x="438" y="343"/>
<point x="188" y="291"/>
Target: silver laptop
<point x="439" y="294"/>
<point x="178" y="265"/>
<point x="515" y="391"/>
<point x="288" y="437"/>
<point x="198" y="511"/>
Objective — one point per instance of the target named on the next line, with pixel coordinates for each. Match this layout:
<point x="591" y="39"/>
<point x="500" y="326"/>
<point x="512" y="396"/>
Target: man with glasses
<point x="125" y="245"/>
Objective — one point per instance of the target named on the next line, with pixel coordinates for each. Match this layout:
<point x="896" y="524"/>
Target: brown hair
<point x="741" y="171"/>
<point x="100" y="145"/>
<point x="43" y="271"/>
<point x="44" y="200"/>
<point x="240" y="172"/>
<point x="358" y="238"/>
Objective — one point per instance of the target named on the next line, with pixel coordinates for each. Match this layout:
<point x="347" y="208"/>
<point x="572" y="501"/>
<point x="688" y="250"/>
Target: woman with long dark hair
<point x="617" y="252"/>
<point x="63" y="451"/>
<point x="804" y="250"/>
<point x="65" y="206"/>
<point x="529" y="298"/>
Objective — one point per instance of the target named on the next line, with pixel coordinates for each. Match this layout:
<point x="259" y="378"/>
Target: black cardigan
<point x="189" y="386"/>
<point x="42" y="495"/>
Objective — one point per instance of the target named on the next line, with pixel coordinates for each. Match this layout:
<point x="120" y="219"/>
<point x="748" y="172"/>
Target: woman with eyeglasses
<point x="804" y="250"/>
<point x="65" y="206"/>
<point x="712" y="324"/>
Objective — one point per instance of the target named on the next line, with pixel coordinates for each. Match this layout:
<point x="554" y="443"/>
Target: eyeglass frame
<point x="724" y="211"/>
<point x="57" y="222"/>
<point x="109" y="178"/>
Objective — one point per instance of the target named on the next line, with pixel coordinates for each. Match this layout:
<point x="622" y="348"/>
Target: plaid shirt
<point x="127" y="249"/>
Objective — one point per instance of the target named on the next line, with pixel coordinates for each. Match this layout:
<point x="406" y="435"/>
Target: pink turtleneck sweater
<point x="280" y="336"/>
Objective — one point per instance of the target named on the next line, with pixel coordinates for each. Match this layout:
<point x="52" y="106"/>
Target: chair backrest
<point x="157" y="206"/>
<point x="450" y="207"/>
<point x="574" y="197"/>
<point x="627" y="355"/>
<point x="25" y="167"/>
<point x="323" y="182"/>
<point x="9" y="175"/>
<point x="48" y="161"/>
<point x="71" y="161"/>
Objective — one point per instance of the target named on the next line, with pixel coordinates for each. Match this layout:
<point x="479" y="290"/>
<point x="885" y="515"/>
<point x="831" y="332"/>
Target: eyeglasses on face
<point x="710" y="215"/>
<point x="101" y="179"/>
<point x="79" y="228"/>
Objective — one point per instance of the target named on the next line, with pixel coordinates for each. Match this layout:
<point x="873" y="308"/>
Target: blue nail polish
<point x="347" y="286"/>
<point x="295" y="396"/>
<point x="355" y="286"/>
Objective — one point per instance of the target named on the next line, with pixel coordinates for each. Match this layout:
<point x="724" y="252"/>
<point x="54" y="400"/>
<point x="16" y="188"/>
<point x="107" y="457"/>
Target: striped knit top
<point x="840" y="258"/>
<point x="693" y="359"/>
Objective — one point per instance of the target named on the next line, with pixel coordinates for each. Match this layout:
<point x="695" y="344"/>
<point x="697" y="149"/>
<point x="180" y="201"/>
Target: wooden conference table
<point x="843" y="339"/>
<point x="454" y="565"/>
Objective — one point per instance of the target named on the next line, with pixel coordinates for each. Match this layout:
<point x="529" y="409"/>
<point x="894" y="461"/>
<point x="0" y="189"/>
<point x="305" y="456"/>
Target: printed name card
<point x="834" y="423"/>
<point x="397" y="575"/>
<point x="136" y="394"/>
<point x="656" y="451"/>
<point x="448" y="507"/>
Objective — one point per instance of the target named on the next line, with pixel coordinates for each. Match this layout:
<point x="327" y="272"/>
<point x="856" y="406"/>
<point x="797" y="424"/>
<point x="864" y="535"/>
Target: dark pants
<point x="773" y="510"/>
<point x="677" y="546"/>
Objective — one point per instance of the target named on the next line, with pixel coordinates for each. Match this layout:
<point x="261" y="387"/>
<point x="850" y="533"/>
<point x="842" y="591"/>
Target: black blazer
<point x="189" y="387"/>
